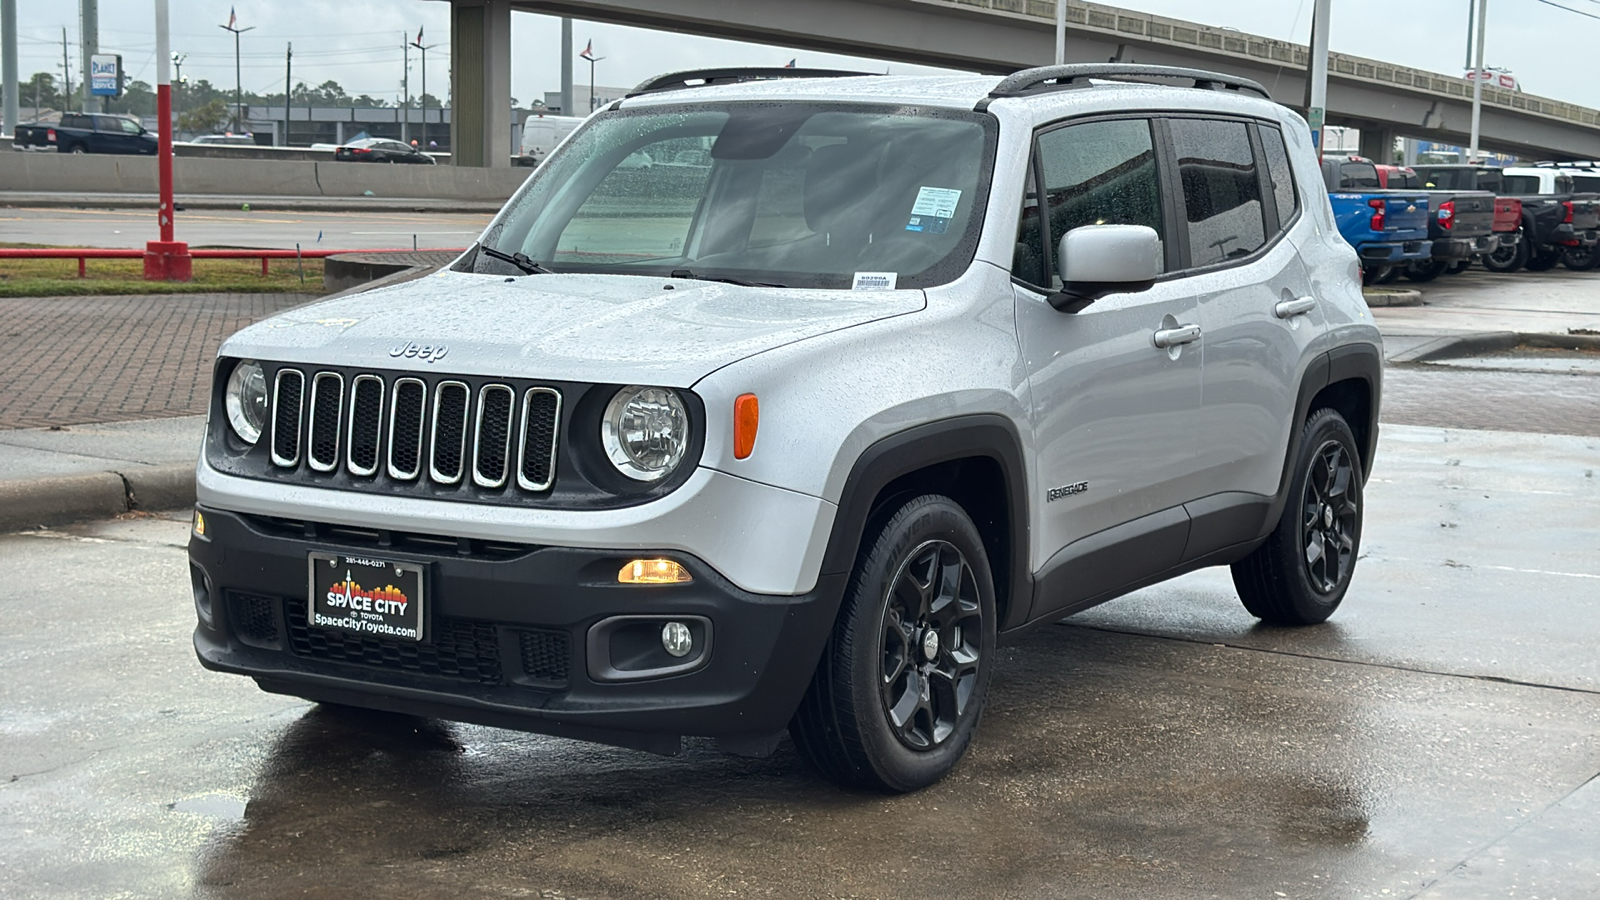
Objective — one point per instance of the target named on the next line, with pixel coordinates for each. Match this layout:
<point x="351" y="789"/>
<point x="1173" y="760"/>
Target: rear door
<point x="1111" y="410"/>
<point x="1257" y="309"/>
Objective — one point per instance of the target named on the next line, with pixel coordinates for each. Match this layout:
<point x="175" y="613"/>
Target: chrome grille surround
<point x="410" y="449"/>
<point x="364" y="433"/>
<point x="297" y="400"/>
<point x="456" y="440"/>
<point x="491" y="461"/>
<point x="321" y="421"/>
<point x="525" y="459"/>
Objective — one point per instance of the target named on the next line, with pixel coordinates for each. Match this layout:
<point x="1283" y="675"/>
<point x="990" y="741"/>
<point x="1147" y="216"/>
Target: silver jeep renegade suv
<point x="770" y="402"/>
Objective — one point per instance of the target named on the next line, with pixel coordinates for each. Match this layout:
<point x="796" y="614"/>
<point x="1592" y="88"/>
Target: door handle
<point x="1172" y="337"/>
<point x="1287" y="309"/>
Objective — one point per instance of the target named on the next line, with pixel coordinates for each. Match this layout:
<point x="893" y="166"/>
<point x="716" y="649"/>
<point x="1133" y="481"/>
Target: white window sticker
<point x="874" y="281"/>
<point x="934" y="209"/>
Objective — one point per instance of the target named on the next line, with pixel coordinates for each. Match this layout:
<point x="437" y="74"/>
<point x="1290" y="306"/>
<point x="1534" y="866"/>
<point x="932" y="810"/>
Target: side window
<point x="1281" y="174"/>
<point x="1099" y="173"/>
<point x="129" y="126"/>
<point x="1221" y="190"/>
<point x="1027" y="260"/>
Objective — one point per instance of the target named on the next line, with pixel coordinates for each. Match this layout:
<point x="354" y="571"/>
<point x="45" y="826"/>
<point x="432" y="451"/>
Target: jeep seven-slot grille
<point x="439" y="434"/>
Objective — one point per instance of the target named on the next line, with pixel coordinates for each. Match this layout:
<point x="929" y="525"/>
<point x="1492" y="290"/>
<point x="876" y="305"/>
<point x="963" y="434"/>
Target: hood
<point x="621" y="329"/>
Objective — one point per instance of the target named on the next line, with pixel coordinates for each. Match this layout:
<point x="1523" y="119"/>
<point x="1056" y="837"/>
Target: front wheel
<point x="1301" y="573"/>
<point x="900" y="688"/>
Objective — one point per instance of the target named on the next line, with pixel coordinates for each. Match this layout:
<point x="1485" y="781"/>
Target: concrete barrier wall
<point x="93" y="173"/>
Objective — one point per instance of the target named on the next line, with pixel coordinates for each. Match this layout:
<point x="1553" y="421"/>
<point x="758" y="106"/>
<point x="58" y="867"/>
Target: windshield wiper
<point x="520" y="260"/>
<point x="690" y="276"/>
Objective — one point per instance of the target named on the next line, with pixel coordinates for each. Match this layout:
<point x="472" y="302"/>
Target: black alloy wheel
<point x="1545" y="259"/>
<point x="1507" y="258"/>
<point x="931" y="637"/>
<point x="898" y="693"/>
<point x="1329" y="517"/>
<point x="1582" y="259"/>
<point x="1300" y="574"/>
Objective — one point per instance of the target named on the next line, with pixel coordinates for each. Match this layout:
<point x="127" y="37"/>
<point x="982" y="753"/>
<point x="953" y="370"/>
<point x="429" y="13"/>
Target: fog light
<point x="199" y="524"/>
<point x="676" y="639"/>
<point x="653" y="571"/>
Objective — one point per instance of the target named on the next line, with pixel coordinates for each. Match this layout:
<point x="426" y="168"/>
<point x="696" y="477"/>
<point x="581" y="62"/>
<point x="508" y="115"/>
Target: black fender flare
<point x="1351" y="362"/>
<point x="984" y="435"/>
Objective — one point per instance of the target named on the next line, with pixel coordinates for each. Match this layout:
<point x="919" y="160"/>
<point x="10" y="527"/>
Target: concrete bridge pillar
<point x="1377" y="144"/>
<point x="480" y="83"/>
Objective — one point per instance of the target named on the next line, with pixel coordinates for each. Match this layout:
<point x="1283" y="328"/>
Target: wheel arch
<point x="977" y="461"/>
<point x="1349" y="379"/>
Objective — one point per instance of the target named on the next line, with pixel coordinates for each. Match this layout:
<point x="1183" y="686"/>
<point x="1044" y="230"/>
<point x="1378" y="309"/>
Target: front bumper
<point x="518" y="636"/>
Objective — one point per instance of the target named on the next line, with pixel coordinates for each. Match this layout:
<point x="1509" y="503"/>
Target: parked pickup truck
<point x="88" y="133"/>
<point x="1460" y="223"/>
<point x="1555" y="220"/>
<point x="1388" y="229"/>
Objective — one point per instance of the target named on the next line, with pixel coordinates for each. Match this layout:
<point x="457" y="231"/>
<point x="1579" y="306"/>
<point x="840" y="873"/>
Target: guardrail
<point x="84" y="254"/>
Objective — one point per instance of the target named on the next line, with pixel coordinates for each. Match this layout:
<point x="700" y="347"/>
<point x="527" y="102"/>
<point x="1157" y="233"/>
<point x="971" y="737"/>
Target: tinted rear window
<point x="1522" y="184"/>
<point x="1358" y="176"/>
<point x="1587" y="184"/>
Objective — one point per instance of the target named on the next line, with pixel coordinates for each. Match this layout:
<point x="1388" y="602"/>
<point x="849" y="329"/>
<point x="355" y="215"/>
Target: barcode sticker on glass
<point x="874" y="281"/>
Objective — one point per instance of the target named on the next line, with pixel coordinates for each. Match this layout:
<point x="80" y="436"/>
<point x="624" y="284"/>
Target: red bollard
<point x="167" y="261"/>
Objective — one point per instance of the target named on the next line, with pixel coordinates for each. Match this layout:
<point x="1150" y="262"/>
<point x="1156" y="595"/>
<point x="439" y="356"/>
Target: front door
<point x="1111" y="409"/>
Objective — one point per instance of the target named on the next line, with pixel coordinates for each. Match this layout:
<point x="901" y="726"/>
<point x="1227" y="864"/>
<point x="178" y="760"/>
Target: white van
<point x="541" y="134"/>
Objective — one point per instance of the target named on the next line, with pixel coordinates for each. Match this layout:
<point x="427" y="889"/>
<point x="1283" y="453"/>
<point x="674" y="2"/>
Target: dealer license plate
<point x="366" y="596"/>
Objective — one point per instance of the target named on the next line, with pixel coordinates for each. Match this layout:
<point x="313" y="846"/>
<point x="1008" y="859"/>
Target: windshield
<point x="801" y="195"/>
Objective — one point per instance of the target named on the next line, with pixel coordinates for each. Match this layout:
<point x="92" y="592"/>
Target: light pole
<point x="1317" y="82"/>
<point x="1477" y="81"/>
<point x="1061" y="31"/>
<point x="238" y="92"/>
<point x="424" y="48"/>
<point x="588" y="53"/>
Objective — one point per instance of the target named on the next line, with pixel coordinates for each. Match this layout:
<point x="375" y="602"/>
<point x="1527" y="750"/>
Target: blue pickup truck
<point x="87" y="133"/>
<point x="1388" y="228"/>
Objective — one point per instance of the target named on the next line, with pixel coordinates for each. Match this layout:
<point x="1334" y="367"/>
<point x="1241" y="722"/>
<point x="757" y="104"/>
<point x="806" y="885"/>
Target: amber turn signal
<point x="746" y="418"/>
<point x="653" y="571"/>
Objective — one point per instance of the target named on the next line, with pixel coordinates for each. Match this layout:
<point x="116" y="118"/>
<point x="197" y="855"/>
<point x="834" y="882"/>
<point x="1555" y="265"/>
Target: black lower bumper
<point x="539" y="639"/>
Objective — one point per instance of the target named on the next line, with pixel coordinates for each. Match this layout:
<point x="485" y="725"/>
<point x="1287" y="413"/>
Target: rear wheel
<point x="77" y="148"/>
<point x="1582" y="259"/>
<point x="1300" y="575"/>
<point x="1507" y="258"/>
<point x="900" y="688"/>
<point x="1425" y="271"/>
<point x="1544" y="260"/>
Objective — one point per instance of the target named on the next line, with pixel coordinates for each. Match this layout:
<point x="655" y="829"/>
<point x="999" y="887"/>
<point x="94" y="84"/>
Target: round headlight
<point x="645" y="432"/>
<point x="246" y="400"/>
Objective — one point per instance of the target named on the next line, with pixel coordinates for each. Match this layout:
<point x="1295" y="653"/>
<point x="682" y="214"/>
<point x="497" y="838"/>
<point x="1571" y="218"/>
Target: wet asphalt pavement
<point x="1439" y="738"/>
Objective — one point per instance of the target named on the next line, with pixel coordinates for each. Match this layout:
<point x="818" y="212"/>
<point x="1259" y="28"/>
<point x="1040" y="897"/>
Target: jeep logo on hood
<point x="419" y="351"/>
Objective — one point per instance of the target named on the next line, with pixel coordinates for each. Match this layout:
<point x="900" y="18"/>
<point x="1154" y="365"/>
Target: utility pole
<point x="288" y="88"/>
<point x="1061" y="31"/>
<point x="1317" y="82"/>
<point x="405" y="88"/>
<point x="8" y="65"/>
<point x="1472" y="5"/>
<point x="66" y="72"/>
<point x="566" y="66"/>
<point x="88" y="46"/>
<point x="423" y="144"/>
<point x="238" y="90"/>
<point x="1477" y="81"/>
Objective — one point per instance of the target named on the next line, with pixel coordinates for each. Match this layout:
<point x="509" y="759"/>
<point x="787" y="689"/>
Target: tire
<point x="1544" y="260"/>
<point x="873" y="717"/>
<point x="1280" y="583"/>
<point x="1389" y="275"/>
<point x="1507" y="259"/>
<point x="77" y="148"/>
<point x="1582" y="259"/>
<point x="1423" y="272"/>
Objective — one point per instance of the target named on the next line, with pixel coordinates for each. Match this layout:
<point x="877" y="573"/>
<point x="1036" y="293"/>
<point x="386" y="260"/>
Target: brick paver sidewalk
<point x="72" y="360"/>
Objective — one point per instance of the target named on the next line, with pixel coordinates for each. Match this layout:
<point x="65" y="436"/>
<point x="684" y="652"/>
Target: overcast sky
<point x="358" y="42"/>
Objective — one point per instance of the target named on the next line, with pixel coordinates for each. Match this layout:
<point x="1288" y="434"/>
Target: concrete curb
<point x="1460" y="345"/>
<point x="1392" y="297"/>
<point x="36" y="502"/>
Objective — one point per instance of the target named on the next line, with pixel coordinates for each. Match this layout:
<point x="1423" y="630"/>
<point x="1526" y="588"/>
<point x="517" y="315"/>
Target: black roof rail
<point x="1043" y="78"/>
<point x="694" y="78"/>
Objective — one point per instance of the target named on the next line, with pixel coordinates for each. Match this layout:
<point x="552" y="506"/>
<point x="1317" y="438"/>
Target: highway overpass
<point x="1381" y="99"/>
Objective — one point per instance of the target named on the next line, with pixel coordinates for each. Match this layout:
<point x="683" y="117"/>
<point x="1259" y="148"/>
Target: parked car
<point x="790" y="443"/>
<point x="233" y="140"/>
<point x="541" y="134"/>
<point x="1585" y="180"/>
<point x="1460" y="223"/>
<point x="381" y="150"/>
<point x="34" y="136"/>
<point x="90" y="133"/>
<point x="1554" y="219"/>
<point x="1388" y="229"/>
